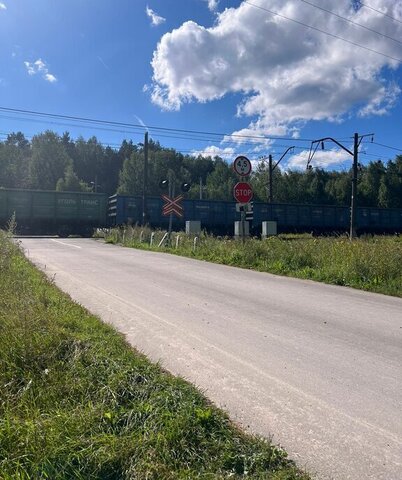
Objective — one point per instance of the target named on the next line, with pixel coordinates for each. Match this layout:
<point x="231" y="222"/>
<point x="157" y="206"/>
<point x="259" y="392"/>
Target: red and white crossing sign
<point x="172" y="206"/>
<point x="242" y="192"/>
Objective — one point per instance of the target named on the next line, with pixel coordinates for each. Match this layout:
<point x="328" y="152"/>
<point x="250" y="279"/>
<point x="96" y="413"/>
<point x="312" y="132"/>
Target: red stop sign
<point x="242" y="192"/>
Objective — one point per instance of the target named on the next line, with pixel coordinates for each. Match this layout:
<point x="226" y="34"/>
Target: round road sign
<point x="242" y="192"/>
<point x="242" y="166"/>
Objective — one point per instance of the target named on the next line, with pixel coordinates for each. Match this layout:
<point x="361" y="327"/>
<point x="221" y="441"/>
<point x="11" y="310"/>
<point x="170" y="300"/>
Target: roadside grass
<point x="368" y="263"/>
<point x="76" y="402"/>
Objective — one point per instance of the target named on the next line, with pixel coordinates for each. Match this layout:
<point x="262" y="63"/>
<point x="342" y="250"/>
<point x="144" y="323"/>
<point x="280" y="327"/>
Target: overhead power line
<point x="148" y="127"/>
<point x="388" y="146"/>
<point x="155" y="136"/>
<point x="352" y="22"/>
<point x="380" y="12"/>
<point x="323" y="31"/>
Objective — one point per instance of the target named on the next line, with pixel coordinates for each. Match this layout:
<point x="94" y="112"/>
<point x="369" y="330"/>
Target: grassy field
<point x="368" y="263"/>
<point x="76" y="402"/>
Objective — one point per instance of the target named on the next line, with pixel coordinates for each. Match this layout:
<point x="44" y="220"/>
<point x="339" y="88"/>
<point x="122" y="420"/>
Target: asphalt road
<point x="315" y="367"/>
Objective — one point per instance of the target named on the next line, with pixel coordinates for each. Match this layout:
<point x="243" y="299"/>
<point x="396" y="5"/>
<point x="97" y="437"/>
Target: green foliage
<point x="77" y="402"/>
<point x="49" y="161"/>
<point x="71" y="183"/>
<point x="45" y="163"/>
<point x="369" y="263"/>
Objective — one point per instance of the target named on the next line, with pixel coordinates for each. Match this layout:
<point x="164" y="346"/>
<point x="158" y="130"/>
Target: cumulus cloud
<point x="212" y="4"/>
<point x="155" y="19"/>
<point x="213" y="151"/>
<point x="2" y="6"/>
<point x="322" y="158"/>
<point x="286" y="73"/>
<point x="40" y="67"/>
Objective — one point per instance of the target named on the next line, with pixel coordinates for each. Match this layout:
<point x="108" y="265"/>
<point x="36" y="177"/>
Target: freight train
<point x="43" y="212"/>
<point x="219" y="216"/>
<point x="64" y="213"/>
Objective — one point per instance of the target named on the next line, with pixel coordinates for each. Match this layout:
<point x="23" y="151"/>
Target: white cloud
<point x="50" y="78"/>
<point x="155" y="19"/>
<point x="212" y="4"/>
<point x="213" y="151"/>
<point x="286" y="73"/>
<point x="322" y="158"/>
<point x="40" y="67"/>
<point x="2" y="6"/>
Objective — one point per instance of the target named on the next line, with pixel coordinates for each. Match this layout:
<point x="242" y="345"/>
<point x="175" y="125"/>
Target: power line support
<point x="353" y="205"/>
<point x="357" y="140"/>
<point x="270" y="194"/>
<point x="145" y="181"/>
<point x="271" y="169"/>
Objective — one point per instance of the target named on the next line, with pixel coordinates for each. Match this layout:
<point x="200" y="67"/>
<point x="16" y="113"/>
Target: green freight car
<point x="40" y="212"/>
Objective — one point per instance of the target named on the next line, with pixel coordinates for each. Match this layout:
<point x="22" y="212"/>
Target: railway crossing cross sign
<point x="172" y="206"/>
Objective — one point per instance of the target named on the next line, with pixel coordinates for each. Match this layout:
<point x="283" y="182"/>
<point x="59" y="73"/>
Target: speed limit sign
<point x="242" y="166"/>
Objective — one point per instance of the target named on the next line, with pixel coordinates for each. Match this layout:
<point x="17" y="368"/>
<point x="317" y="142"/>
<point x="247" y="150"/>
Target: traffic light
<point x="185" y="187"/>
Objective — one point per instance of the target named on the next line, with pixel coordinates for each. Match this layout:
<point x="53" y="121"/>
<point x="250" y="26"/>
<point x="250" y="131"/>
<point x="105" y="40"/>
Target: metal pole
<point x="145" y="181"/>
<point x="353" y="207"/>
<point x="171" y="195"/>
<point x="270" y="195"/>
<point x="243" y="225"/>
<point x="200" y="188"/>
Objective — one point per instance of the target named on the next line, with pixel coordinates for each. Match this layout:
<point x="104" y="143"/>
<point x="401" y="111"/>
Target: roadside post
<point x="172" y="205"/>
<point x="242" y="191"/>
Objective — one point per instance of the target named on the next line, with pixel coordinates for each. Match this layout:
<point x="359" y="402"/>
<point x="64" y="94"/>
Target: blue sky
<point x="225" y="66"/>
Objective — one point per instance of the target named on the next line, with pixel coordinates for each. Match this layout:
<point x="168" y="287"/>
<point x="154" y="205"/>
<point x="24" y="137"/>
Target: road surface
<point x="315" y="367"/>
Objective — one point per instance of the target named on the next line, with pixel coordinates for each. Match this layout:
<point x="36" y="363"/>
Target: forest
<point x="57" y="162"/>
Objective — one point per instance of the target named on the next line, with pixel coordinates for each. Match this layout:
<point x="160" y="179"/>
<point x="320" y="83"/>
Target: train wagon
<point x="219" y="216"/>
<point x="42" y="212"/>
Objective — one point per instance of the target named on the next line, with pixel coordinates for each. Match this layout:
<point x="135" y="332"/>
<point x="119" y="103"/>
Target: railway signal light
<point x="164" y="184"/>
<point x="185" y="187"/>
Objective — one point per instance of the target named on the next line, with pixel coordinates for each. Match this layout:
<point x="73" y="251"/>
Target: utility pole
<point x="353" y="203"/>
<point x="271" y="169"/>
<point x="145" y="181"/>
<point x="357" y="140"/>
<point x="270" y="193"/>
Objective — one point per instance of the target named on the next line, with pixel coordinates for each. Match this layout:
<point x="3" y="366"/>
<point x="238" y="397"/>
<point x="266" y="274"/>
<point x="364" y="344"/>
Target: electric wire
<point x="148" y="127"/>
<point x="351" y="21"/>
<point x="399" y="60"/>
<point x="157" y="136"/>
<point x="379" y="11"/>
<point x="388" y="146"/>
<point x="140" y="130"/>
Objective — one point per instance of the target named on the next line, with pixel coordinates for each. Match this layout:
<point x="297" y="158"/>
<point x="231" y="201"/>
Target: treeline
<point x="50" y="161"/>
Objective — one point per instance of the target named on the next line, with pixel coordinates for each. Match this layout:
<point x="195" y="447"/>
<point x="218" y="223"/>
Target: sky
<point x="226" y="77"/>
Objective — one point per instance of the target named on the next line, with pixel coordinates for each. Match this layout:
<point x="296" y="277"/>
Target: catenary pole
<point x="353" y="206"/>
<point x="270" y="194"/>
<point x="357" y="139"/>
<point x="145" y="181"/>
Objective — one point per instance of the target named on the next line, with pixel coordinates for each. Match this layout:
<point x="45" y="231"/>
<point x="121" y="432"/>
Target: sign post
<point x="242" y="191"/>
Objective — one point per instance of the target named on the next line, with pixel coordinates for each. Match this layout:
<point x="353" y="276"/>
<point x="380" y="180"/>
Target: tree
<point x="131" y="175"/>
<point x="369" y="185"/>
<point x="70" y="182"/>
<point x="221" y="181"/>
<point x="393" y="180"/>
<point x="49" y="161"/>
<point x="15" y="155"/>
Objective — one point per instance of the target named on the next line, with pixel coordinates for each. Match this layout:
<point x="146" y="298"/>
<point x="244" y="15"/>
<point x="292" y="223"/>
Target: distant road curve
<point x="317" y="367"/>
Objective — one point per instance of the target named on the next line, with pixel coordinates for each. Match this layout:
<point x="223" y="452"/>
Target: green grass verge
<point x="76" y="402"/>
<point x="368" y="263"/>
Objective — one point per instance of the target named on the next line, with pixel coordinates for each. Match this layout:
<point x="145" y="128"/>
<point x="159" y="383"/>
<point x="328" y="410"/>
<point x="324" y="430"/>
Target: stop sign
<point x="242" y="192"/>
